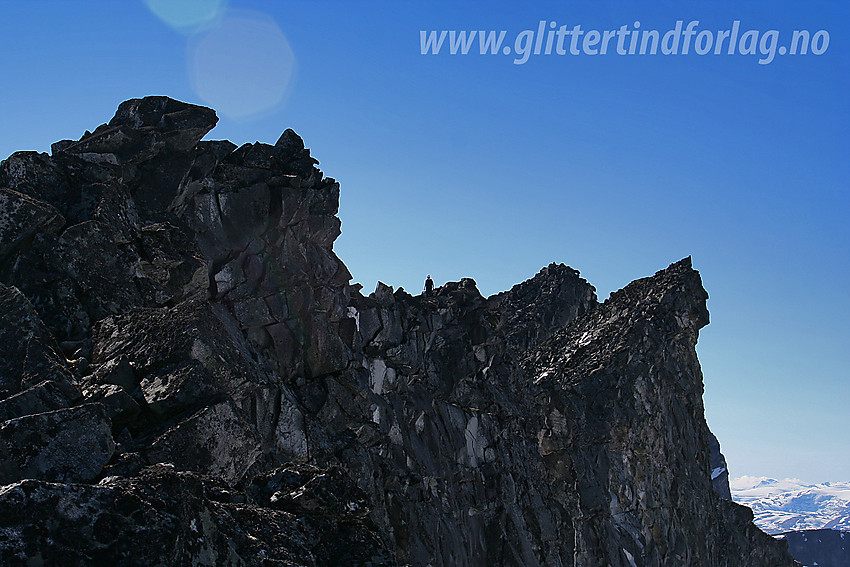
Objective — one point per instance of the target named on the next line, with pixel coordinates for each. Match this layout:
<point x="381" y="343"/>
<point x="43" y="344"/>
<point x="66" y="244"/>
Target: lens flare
<point x="187" y="16"/>
<point x="242" y="67"/>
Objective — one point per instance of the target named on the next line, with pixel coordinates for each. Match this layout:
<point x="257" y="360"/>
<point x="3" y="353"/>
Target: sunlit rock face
<point x="189" y="378"/>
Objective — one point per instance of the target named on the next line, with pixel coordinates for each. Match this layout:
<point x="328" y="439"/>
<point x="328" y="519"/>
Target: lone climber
<point x="429" y="286"/>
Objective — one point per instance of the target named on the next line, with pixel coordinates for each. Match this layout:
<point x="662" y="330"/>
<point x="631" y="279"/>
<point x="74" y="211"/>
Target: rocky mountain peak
<point x="532" y="311"/>
<point x="188" y="377"/>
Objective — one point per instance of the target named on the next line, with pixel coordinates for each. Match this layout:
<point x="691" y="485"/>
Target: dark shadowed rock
<point x="624" y="386"/>
<point x="310" y="490"/>
<point x="24" y="341"/>
<point x="150" y="141"/>
<point x="121" y="408"/>
<point x="66" y="445"/>
<point x="21" y="217"/>
<point x="181" y="352"/>
<point x="164" y="517"/>
<point x="182" y="125"/>
<point x="189" y="336"/>
<point x="819" y="548"/>
<point x="43" y="397"/>
<point x="215" y="441"/>
<point x="533" y="310"/>
<point x="719" y="469"/>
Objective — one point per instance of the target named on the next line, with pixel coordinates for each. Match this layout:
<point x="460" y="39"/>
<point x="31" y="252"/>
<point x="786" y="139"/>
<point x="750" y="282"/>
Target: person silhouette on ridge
<point x="429" y="286"/>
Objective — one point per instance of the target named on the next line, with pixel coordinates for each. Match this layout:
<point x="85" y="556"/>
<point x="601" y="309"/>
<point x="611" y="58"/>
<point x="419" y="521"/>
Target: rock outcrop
<point x="819" y="548"/>
<point x="189" y="378"/>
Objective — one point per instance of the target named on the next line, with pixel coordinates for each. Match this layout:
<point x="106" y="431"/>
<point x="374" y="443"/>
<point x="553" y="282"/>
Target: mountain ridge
<point x="190" y="378"/>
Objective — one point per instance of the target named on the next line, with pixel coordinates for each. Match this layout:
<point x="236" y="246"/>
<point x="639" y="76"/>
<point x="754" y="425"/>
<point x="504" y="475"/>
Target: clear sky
<point x="472" y="165"/>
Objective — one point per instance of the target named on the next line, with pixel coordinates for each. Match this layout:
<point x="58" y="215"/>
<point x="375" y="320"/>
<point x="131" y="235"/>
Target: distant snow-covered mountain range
<point x="791" y="505"/>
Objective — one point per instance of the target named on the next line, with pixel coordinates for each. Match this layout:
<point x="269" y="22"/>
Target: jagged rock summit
<point x="187" y="377"/>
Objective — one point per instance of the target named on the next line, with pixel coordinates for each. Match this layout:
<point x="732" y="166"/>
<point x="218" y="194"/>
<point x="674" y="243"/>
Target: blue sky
<point x="474" y="166"/>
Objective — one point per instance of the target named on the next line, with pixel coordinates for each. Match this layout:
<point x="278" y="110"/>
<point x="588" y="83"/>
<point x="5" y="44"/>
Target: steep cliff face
<point x="187" y="377"/>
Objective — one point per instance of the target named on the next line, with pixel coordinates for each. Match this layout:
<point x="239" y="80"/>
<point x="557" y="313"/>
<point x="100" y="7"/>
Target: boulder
<point x="24" y="341"/>
<point x="43" y="397"/>
<point x="66" y="445"/>
<point x="21" y="217"/>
